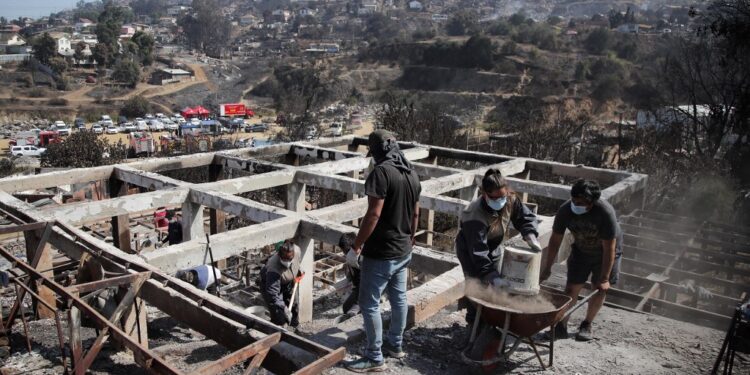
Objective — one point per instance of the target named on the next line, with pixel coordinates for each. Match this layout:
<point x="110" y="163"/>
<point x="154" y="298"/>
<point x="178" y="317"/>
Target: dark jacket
<point x="276" y="284"/>
<point x="476" y="247"/>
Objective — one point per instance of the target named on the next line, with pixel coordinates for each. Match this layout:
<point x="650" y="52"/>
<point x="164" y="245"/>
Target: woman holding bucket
<point x="485" y="224"/>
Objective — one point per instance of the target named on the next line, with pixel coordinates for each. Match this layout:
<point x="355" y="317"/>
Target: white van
<point x="27" y="150"/>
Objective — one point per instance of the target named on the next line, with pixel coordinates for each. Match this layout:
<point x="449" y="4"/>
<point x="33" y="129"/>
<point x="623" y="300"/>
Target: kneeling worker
<point x="277" y="280"/>
<point x="203" y="277"/>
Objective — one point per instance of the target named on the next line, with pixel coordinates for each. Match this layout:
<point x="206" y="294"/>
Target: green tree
<point x="153" y="8"/>
<point x="462" y="23"/>
<point x="478" y="52"/>
<point x="45" y="48"/>
<point x="136" y="106"/>
<point x="145" y="45"/>
<point x="78" y="53"/>
<point x="127" y="71"/>
<point x="83" y="150"/>
<point x="108" y="28"/>
<point x="102" y="54"/>
<point x="58" y="64"/>
<point x="206" y="28"/>
<point x="517" y="19"/>
<point x="597" y="41"/>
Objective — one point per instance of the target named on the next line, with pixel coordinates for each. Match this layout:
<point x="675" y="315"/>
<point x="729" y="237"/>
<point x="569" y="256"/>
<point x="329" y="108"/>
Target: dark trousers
<point x="278" y="314"/>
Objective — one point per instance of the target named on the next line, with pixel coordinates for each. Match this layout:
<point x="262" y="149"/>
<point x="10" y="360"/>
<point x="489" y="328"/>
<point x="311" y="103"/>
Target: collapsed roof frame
<point x="195" y="308"/>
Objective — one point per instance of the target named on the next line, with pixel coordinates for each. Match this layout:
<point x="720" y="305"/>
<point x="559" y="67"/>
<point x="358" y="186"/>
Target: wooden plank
<point x="262" y="345"/>
<point x="74" y="326"/>
<point x="101" y="284"/>
<point x="21" y="227"/>
<point x="323" y="363"/>
<point x="125" y="302"/>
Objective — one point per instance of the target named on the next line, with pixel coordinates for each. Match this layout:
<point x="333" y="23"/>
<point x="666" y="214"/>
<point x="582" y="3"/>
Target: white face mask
<point x="286" y="263"/>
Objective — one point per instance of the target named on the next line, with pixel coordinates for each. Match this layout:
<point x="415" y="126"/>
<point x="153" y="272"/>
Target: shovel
<point x="294" y="291"/>
<point x="579" y="304"/>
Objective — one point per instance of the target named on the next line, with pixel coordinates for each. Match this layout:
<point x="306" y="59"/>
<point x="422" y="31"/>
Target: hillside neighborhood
<point x="242" y="187"/>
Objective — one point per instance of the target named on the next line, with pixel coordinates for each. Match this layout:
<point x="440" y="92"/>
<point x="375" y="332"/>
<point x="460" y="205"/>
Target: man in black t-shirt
<point x="387" y="233"/>
<point x="596" y="249"/>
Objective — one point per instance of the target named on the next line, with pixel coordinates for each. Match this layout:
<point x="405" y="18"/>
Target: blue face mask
<point x="578" y="210"/>
<point x="496" y="204"/>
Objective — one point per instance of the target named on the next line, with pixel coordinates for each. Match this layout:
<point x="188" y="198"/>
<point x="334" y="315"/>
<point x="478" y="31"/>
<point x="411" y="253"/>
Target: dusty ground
<point x="627" y="343"/>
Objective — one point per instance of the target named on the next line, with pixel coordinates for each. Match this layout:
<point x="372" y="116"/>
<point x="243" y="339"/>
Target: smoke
<point x="527" y="304"/>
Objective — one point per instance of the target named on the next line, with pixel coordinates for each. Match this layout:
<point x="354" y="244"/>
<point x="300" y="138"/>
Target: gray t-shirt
<point x="589" y="229"/>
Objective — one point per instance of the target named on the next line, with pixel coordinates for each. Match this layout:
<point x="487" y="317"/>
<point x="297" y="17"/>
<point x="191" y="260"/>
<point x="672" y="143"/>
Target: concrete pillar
<point x="120" y="223"/>
<point x="427" y="217"/>
<point x="192" y="221"/>
<point x="353" y="174"/>
<point x="295" y="201"/>
<point x="32" y="239"/>
<point x="526" y="175"/>
<point x="217" y="218"/>
<point x="305" y="292"/>
<point x="468" y="194"/>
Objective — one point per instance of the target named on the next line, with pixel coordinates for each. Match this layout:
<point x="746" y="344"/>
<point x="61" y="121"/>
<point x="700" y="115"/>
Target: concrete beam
<point x="603" y="176"/>
<point x="54" y="179"/>
<point x="193" y="253"/>
<point x="316" y="152"/>
<point x="173" y="162"/>
<point x="625" y="188"/>
<point x="248" y="165"/>
<point x="538" y="188"/>
<point x="88" y="212"/>
<point x="148" y="180"/>
<point x="250" y="183"/>
<point x="429" y="298"/>
<point x="238" y="206"/>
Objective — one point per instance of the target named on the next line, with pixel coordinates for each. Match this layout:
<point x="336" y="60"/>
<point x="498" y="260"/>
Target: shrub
<point x="58" y="102"/>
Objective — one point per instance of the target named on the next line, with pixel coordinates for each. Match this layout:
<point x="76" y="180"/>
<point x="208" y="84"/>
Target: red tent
<point x="200" y="111"/>
<point x="249" y="112"/>
<point x="188" y="112"/>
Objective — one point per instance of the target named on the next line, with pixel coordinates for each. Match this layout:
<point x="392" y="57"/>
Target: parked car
<point x="79" y="124"/>
<point x="195" y="121"/>
<point x="113" y="129"/>
<point x="178" y="118"/>
<point x="28" y="150"/>
<point x="128" y="127"/>
<point x="97" y="129"/>
<point x="337" y="129"/>
<point x="160" y="116"/>
<point x="256" y="128"/>
<point x="90" y="79"/>
<point x="149" y="116"/>
<point x="61" y="128"/>
<point x="170" y="125"/>
<point x="106" y="121"/>
<point x="141" y="125"/>
<point x="155" y="125"/>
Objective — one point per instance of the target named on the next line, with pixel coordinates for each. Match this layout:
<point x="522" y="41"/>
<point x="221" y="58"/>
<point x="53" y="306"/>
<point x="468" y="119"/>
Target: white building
<point x="64" y="47"/>
<point x="415" y="5"/>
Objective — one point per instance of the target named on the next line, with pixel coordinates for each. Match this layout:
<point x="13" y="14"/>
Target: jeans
<point x="378" y="276"/>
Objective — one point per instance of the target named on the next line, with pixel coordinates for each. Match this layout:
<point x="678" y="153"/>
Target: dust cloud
<point x="527" y="304"/>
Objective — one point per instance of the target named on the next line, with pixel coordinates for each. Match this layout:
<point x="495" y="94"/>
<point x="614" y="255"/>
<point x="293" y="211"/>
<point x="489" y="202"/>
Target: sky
<point x="12" y="9"/>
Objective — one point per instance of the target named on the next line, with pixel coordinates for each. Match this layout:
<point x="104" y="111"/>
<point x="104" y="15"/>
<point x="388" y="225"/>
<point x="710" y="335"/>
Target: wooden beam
<point x="238" y="356"/>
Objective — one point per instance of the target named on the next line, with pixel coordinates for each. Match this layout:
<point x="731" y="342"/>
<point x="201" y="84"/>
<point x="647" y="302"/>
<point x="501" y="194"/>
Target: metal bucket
<point x="521" y="269"/>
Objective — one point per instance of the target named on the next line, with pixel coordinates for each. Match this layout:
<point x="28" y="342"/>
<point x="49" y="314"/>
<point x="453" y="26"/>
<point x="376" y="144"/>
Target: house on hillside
<point x="64" y="47"/>
<point x="83" y="23"/>
<point x="127" y="32"/>
<point x="367" y="7"/>
<point x="281" y="15"/>
<point x="415" y="5"/>
<point x="11" y="43"/>
<point x="165" y="76"/>
<point x="628" y="28"/>
<point x="249" y="20"/>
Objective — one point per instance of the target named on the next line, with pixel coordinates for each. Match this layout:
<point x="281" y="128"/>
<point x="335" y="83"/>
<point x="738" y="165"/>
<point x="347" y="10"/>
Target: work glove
<point x="533" y="243"/>
<point x="353" y="259"/>
<point x="288" y="315"/>
<point x="493" y="278"/>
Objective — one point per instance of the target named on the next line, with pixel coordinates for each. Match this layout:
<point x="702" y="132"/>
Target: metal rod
<point x="217" y="283"/>
<point x="579" y="304"/>
<point x="506" y="327"/>
<point x="61" y="341"/>
<point x="476" y="324"/>
<point x="23" y="319"/>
